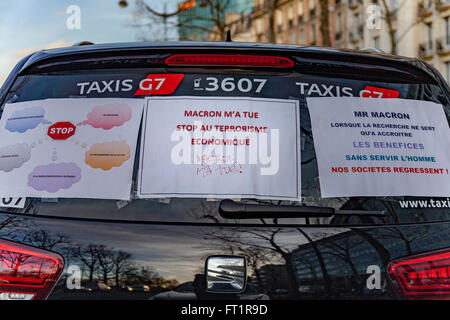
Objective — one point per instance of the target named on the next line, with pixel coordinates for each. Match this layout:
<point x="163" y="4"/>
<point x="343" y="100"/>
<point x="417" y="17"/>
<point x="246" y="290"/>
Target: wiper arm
<point x="236" y="210"/>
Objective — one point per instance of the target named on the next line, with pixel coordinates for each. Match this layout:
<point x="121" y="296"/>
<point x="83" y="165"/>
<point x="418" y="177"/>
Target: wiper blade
<point x="237" y="210"/>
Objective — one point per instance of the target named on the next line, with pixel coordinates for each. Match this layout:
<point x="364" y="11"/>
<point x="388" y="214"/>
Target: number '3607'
<point x="231" y="84"/>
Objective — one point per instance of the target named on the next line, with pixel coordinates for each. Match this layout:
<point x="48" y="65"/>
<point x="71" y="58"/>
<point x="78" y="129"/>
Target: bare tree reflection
<point x="10" y="224"/>
<point x="105" y="263"/>
<point x="88" y="256"/>
<point x="122" y="265"/>
<point x="45" y="240"/>
<point x="207" y="211"/>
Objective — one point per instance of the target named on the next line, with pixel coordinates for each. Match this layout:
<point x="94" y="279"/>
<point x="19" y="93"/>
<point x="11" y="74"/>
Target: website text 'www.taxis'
<point x="430" y="203"/>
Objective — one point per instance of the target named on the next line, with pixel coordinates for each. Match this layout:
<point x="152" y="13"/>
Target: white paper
<point x="12" y="202"/>
<point x="95" y="162"/>
<point x="397" y="148"/>
<point x="171" y="166"/>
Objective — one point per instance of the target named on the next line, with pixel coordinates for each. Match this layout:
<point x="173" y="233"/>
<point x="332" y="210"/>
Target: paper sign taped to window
<point x="381" y="147"/>
<point x="13" y="202"/>
<point x="69" y="148"/>
<point x="217" y="147"/>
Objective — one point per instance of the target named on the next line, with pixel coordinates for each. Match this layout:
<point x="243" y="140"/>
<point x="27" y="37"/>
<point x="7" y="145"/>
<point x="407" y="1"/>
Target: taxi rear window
<point x="263" y="92"/>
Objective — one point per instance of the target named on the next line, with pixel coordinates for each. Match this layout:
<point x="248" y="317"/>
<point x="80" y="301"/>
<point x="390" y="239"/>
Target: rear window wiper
<point x="237" y="210"/>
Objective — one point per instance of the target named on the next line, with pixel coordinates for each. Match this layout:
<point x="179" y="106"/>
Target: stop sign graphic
<point x="61" y="130"/>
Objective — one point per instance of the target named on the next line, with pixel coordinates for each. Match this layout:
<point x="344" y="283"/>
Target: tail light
<point x="425" y="276"/>
<point x="27" y="273"/>
<point x="228" y="60"/>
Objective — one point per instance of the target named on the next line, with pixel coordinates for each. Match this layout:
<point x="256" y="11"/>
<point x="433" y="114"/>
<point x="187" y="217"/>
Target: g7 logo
<point x="159" y="84"/>
<point x="147" y="84"/>
<point x="374" y="92"/>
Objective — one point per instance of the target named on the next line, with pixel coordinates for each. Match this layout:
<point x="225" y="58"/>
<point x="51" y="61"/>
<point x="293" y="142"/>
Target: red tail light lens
<point x="425" y="276"/>
<point x="26" y="272"/>
<point x="228" y="60"/>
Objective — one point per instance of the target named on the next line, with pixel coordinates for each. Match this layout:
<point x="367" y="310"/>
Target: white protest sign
<point x="380" y="147"/>
<point x="69" y="148"/>
<point x="217" y="147"/>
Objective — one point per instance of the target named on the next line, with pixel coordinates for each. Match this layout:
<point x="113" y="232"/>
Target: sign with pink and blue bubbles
<point x="69" y="148"/>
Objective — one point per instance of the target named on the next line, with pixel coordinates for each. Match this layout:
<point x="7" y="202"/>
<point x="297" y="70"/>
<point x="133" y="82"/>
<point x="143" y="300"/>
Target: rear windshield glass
<point x="290" y="86"/>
